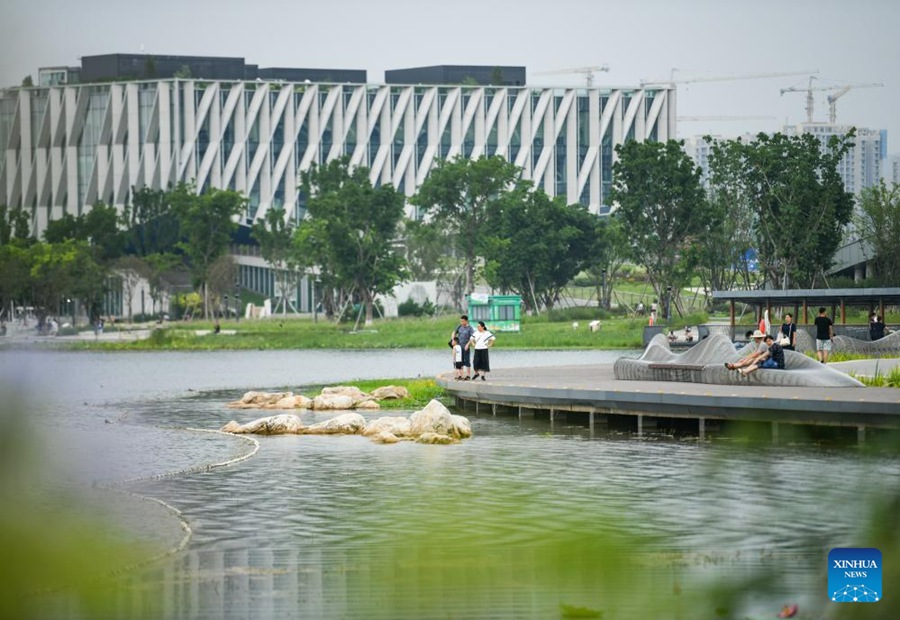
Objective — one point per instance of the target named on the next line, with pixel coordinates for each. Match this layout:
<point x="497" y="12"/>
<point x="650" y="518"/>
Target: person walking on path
<point x="789" y="329"/>
<point x="757" y="355"/>
<point x="457" y="358"/>
<point x="824" y="335"/>
<point x="772" y="358"/>
<point x="464" y="332"/>
<point x="482" y="341"/>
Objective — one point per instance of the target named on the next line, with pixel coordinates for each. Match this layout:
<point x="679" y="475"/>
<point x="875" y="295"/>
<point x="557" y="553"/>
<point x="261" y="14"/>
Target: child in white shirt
<point x="457" y="358"/>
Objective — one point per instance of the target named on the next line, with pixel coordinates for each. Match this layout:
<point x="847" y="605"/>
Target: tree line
<point x="773" y="212"/>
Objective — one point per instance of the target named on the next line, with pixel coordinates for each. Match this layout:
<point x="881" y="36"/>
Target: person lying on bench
<point x="774" y="358"/>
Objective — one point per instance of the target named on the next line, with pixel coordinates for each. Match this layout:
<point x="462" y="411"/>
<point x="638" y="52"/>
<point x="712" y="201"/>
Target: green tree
<point x="15" y="279"/>
<point x="66" y="270"/>
<point x="152" y="226"/>
<point x="157" y="266"/>
<point x="207" y="224"/>
<point x="350" y="231"/>
<point x="798" y="199"/>
<point x="99" y="227"/>
<point x="460" y="195"/>
<point x="274" y="234"/>
<point x="14" y="224"/>
<point x="537" y="245"/>
<point x="662" y="209"/>
<point x="878" y="223"/>
<point x="426" y="249"/>
<point x="724" y="250"/>
<point x="27" y="81"/>
<point x="609" y="253"/>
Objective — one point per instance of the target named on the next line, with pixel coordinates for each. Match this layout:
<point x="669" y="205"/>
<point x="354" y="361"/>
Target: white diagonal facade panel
<point x="63" y="148"/>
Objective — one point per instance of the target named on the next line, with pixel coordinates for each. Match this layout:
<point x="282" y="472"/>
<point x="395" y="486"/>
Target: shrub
<point x="411" y="308"/>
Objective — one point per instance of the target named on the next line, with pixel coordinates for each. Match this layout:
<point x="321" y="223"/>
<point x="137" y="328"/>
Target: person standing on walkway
<point x="457" y="358"/>
<point x="824" y="335"/>
<point x="482" y="341"/>
<point x="789" y="330"/>
<point x="464" y="332"/>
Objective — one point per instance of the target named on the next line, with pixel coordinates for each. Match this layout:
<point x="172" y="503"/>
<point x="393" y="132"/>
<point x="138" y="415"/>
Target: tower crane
<point x="724" y="78"/>
<point x="587" y="71"/>
<point x="832" y="99"/>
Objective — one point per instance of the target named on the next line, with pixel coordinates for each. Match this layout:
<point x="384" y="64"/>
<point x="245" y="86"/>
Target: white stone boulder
<point x="330" y="402"/>
<point x="436" y="418"/>
<point x="282" y="424"/>
<point x="390" y="392"/>
<point x="257" y="400"/>
<point x="344" y="424"/>
<point x="348" y="390"/>
<point x="367" y="404"/>
<point x="436" y="438"/>
<point x="385" y="437"/>
<point x="297" y="401"/>
<point x="396" y="426"/>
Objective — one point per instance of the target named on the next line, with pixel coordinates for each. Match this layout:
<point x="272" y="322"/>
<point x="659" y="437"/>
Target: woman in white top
<point x="481" y="341"/>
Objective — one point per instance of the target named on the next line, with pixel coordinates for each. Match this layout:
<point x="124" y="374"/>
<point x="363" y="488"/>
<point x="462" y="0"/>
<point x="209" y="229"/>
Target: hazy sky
<point x="848" y="41"/>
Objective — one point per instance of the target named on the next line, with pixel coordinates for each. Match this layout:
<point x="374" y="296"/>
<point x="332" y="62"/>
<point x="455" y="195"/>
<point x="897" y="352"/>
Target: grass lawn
<point x="421" y="333"/>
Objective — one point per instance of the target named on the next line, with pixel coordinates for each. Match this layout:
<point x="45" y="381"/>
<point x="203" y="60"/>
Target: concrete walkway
<point x="594" y="389"/>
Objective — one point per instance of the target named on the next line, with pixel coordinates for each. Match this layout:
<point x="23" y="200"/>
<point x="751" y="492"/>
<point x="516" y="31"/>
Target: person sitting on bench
<point x="773" y="358"/>
<point x="760" y="350"/>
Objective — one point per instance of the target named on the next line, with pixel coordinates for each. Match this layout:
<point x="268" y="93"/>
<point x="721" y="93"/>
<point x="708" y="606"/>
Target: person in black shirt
<point x="824" y="334"/>
<point x="773" y="358"/>
<point x="789" y="329"/>
<point x="876" y="329"/>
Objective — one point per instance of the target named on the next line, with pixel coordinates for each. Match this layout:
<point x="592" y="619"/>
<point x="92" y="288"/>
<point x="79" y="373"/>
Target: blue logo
<point x="854" y="575"/>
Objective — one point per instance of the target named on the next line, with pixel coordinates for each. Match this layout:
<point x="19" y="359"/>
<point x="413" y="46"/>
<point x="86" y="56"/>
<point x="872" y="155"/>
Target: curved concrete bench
<point x="888" y="344"/>
<point x="705" y="363"/>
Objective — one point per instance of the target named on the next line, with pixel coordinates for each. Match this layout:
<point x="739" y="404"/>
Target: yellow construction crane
<point x="832" y="99"/>
<point x="588" y="72"/>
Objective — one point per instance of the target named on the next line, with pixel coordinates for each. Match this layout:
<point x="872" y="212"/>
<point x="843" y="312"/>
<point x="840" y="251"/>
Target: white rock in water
<point x="348" y="390"/>
<point x="436" y="438"/>
<point x="385" y="437"/>
<point x="282" y="424"/>
<point x="366" y="404"/>
<point x="344" y="424"/>
<point x="397" y="426"/>
<point x="462" y="426"/>
<point x="436" y="418"/>
<point x="325" y="402"/>
<point x="389" y="392"/>
<point x="294" y="402"/>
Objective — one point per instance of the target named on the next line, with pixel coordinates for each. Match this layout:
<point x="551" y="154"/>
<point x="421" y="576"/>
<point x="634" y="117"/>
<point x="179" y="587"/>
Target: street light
<point x="237" y="302"/>
<point x="226" y="306"/>
<point x="605" y="301"/>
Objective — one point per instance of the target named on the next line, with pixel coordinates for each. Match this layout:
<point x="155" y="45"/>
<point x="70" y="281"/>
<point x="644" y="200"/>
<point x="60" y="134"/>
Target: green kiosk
<point x="501" y="313"/>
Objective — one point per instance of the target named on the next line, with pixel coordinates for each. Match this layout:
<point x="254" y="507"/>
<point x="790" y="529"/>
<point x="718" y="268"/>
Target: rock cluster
<point x="434" y="424"/>
<point x="336" y="398"/>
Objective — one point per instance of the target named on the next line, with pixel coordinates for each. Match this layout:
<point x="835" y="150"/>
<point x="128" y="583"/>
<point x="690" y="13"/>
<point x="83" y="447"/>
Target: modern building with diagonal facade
<point x="65" y="147"/>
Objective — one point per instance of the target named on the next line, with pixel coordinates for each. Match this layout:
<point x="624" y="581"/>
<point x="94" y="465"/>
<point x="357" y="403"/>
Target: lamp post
<point x="226" y="306"/>
<point x="668" y="303"/>
<point x="237" y="302"/>
<point x="605" y="301"/>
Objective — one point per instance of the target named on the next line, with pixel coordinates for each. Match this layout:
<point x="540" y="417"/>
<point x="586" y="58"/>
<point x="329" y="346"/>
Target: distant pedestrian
<point x="824" y="336"/>
<point x="482" y="341"/>
<point x="877" y="328"/>
<point x="216" y="327"/>
<point x="464" y="332"/>
<point x="457" y="358"/>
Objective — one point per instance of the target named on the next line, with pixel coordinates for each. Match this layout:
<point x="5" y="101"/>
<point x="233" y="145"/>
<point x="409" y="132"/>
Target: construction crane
<point x="842" y="89"/>
<point x="724" y="78"/>
<point x="694" y="119"/>
<point x="587" y="71"/>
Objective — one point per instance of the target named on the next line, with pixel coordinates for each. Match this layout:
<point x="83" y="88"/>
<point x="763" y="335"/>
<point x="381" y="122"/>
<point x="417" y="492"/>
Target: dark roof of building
<point x="826" y="296"/>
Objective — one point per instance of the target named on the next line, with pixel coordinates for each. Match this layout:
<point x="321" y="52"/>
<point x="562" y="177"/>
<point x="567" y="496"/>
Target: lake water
<point x="521" y="521"/>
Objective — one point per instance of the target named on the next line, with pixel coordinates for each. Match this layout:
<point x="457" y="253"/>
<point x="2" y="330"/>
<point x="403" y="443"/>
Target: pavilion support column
<point x="881" y="308"/>
<point x="843" y="313"/>
<point x="731" y="312"/>
<point x="805" y="313"/>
